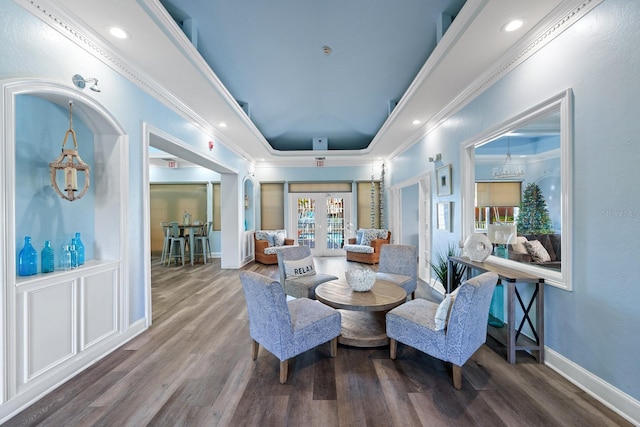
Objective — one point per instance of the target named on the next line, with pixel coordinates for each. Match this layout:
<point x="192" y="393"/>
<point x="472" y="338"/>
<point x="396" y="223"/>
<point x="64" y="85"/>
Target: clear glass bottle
<point x="27" y="259"/>
<point x="74" y="253"/>
<point x="47" y="258"/>
<point x="79" y="249"/>
<point x="65" y="259"/>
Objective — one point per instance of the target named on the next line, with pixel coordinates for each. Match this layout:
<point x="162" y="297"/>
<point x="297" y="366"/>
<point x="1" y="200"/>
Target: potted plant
<point x="440" y="267"/>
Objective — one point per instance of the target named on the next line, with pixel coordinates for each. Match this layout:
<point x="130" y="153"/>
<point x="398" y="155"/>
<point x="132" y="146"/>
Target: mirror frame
<point x="564" y="102"/>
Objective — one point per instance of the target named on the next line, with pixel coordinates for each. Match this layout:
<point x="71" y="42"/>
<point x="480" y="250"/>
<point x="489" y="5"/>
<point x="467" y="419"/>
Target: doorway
<point x="319" y="221"/>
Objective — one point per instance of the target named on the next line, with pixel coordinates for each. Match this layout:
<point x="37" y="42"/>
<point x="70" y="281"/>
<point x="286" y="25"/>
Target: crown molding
<point x="562" y="18"/>
<point x="85" y="38"/>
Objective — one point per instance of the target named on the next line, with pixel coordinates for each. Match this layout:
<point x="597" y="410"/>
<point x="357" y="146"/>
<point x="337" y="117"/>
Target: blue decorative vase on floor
<point x="27" y="259"/>
<point x="46" y="258"/>
<point x="496" y="310"/>
<point x="79" y="249"/>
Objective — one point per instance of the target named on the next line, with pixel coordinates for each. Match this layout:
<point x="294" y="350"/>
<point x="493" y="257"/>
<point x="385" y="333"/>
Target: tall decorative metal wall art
<point x="381" y="203"/>
<point x="380" y="211"/>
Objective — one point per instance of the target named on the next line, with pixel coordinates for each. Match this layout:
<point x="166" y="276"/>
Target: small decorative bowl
<point x="360" y="280"/>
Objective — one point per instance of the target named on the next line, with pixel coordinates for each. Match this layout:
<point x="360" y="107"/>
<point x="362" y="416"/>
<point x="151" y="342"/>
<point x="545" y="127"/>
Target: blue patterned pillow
<point x="271" y="237"/>
<point x="278" y="239"/>
<point x="261" y="235"/>
<point x="368" y="235"/>
<point x="359" y="234"/>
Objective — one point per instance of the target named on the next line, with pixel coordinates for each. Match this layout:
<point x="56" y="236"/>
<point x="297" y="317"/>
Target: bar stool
<point x="174" y="237"/>
<point x="193" y="232"/>
<point x="165" y="236"/>
<point x="202" y="243"/>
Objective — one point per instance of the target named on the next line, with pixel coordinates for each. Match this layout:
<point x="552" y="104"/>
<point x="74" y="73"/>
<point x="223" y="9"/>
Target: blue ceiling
<point x="270" y="56"/>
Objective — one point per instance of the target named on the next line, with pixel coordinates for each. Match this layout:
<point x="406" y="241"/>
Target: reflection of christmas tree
<point x="534" y="215"/>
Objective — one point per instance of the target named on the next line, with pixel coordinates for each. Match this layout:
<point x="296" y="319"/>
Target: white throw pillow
<point x="537" y="251"/>
<point x="518" y="246"/>
<point x="300" y="267"/>
<point x="442" y="313"/>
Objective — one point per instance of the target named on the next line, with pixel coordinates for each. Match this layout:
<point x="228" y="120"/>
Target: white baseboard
<point x="618" y="401"/>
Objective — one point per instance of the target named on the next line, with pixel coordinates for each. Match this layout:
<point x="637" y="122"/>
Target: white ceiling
<point x="160" y="59"/>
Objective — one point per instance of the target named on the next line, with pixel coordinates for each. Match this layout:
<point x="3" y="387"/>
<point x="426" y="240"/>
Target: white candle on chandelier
<point x="70" y="178"/>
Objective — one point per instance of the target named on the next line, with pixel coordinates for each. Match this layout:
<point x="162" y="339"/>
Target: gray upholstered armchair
<point x="420" y="324"/>
<point x="298" y="272"/>
<point x="399" y="265"/>
<point x="286" y="329"/>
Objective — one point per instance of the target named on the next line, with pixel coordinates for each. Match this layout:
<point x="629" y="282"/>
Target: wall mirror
<point x="517" y="190"/>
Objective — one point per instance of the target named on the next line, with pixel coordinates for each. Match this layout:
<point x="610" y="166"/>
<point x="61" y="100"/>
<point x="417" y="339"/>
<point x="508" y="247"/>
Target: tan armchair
<point x="368" y="253"/>
<point x="265" y="253"/>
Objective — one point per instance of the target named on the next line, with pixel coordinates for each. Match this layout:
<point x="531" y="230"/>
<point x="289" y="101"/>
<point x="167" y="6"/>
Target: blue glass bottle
<point x="496" y="310"/>
<point x="27" y="259"/>
<point x="46" y="258"/>
<point x="79" y="249"/>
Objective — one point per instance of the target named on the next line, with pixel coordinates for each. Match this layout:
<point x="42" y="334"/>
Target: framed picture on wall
<point x="443" y="180"/>
<point x="443" y="220"/>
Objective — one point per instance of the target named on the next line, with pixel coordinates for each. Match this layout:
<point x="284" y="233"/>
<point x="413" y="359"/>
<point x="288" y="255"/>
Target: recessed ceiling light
<point x="222" y="124"/>
<point x="118" y="33"/>
<point x="416" y="122"/>
<point x="513" y="25"/>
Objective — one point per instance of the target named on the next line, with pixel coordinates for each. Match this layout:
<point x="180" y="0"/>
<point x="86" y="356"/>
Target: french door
<point x="320" y="221"/>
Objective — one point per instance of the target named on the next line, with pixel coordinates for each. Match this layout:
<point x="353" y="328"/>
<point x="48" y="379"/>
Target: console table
<point x="514" y="340"/>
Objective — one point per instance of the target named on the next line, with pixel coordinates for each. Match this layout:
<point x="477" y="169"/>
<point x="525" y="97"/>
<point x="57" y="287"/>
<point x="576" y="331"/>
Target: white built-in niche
<point x="58" y="323"/>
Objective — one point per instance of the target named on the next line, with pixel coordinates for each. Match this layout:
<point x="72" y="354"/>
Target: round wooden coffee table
<point x="363" y="313"/>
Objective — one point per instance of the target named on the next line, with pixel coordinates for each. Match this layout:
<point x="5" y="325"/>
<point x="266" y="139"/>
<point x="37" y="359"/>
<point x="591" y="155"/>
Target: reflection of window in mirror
<point x="519" y="175"/>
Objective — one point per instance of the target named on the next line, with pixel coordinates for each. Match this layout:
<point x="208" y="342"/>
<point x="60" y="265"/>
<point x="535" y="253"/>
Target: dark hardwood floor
<point x="193" y="367"/>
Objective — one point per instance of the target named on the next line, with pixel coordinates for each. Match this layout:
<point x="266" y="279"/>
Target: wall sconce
<point x="246" y="201"/>
<point x="436" y="159"/>
<point x="81" y="82"/>
<point x="69" y="163"/>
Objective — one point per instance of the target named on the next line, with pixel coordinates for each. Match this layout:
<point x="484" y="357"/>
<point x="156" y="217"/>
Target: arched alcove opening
<point x="55" y="323"/>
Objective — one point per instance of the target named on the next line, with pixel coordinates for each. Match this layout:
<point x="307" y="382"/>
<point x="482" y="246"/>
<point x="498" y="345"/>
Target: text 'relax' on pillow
<point x="537" y="251"/>
<point x="300" y="267"/>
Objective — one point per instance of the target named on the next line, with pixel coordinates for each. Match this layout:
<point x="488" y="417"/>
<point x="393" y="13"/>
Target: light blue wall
<point x="39" y="211"/>
<point x="596" y="324"/>
<point x="40" y="52"/>
<point x="183" y="175"/>
<point x="410" y="215"/>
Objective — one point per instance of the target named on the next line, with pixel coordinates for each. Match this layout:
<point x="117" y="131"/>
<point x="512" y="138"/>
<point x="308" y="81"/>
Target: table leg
<point x="539" y="354"/>
<point x="191" y="239"/>
<point x="511" y="320"/>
